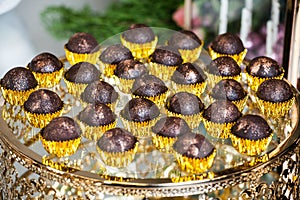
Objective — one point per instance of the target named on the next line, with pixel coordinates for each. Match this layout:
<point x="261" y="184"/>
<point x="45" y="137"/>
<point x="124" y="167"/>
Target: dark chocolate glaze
<point x="188" y="73"/>
<point x="99" y="92"/>
<point x="45" y="63"/>
<point x="222" y="111"/>
<point x="82" y="43"/>
<point x="224" y="66"/>
<point x="274" y="90"/>
<point x="193" y="146"/>
<point x="139" y="33"/>
<point x="148" y="85"/>
<point x="166" y="55"/>
<point x="19" y="78"/>
<point x="228" y="89"/>
<point x="170" y="127"/>
<point x="117" y="140"/>
<point x="185" y="39"/>
<point x="115" y="53"/>
<point x="43" y="101"/>
<point x="61" y="129"/>
<point x="82" y="72"/>
<point x="184" y="103"/>
<point x="140" y="110"/>
<point x="252" y="127"/>
<point x="97" y="115"/>
<point x="264" y="67"/>
<point x="130" y="69"/>
<point x="227" y="43"/>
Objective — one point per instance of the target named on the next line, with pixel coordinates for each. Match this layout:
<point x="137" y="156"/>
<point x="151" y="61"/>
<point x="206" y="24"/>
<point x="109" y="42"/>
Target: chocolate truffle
<point x="115" y="53"/>
<point x="61" y="129"/>
<point x="97" y="115"/>
<point x="82" y="43"/>
<point x="43" y="101"/>
<point x="117" y="140"/>
<point x="228" y="89"/>
<point x="139" y="33"/>
<point x="193" y="145"/>
<point x="224" y="66"/>
<point x="264" y="67"/>
<point x="184" y="103"/>
<point x="99" y="92"/>
<point x="140" y="110"/>
<point x="188" y="73"/>
<point x="45" y="63"/>
<point x="19" y="79"/>
<point x="166" y="55"/>
<point x="82" y="72"/>
<point x="221" y="111"/>
<point x="227" y="43"/>
<point x="185" y="39"/>
<point x="130" y="69"/>
<point x="275" y="90"/>
<point x="148" y="85"/>
<point x="170" y="127"/>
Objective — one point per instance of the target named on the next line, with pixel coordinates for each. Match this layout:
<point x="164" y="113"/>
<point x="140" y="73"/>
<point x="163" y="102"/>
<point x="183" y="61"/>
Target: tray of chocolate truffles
<point x="150" y="104"/>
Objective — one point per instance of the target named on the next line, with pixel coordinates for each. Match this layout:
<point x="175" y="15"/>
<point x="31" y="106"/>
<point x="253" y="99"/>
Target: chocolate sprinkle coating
<point x="148" y="85"/>
<point x="97" y="115"/>
<point x="99" y="92"/>
<point x="139" y="33"/>
<point x="45" y="63"/>
<point x="188" y="73"/>
<point x="224" y="66"/>
<point x="61" y="129"/>
<point x="264" y="67"/>
<point x="252" y="127"/>
<point x="117" y="140"/>
<point x="140" y="110"/>
<point x="130" y="69"/>
<point x="82" y="43"/>
<point x="228" y="89"/>
<point x="19" y="79"/>
<point x="185" y="39"/>
<point x="227" y="43"/>
<point x="82" y="72"/>
<point x="184" y="103"/>
<point x="166" y="55"/>
<point x="170" y="127"/>
<point x="222" y="111"/>
<point x="115" y="54"/>
<point x="193" y="146"/>
<point x="43" y="101"/>
<point x="275" y="90"/>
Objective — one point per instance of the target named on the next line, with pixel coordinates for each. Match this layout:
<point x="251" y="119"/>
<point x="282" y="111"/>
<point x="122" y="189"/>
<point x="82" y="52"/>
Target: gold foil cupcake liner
<point x="159" y="100"/>
<point x="41" y="120"/>
<point x="196" y="89"/>
<point x="61" y="148"/>
<point x="192" y="120"/>
<point x="274" y="110"/>
<point x="254" y="81"/>
<point x="75" y="89"/>
<point x="163" y="143"/>
<point x="48" y="80"/>
<point x="125" y="85"/>
<point x="190" y="55"/>
<point x="94" y="132"/>
<point x="139" y="129"/>
<point x="140" y="51"/>
<point x="250" y="147"/>
<point x="240" y="104"/>
<point x="237" y="57"/>
<point x="214" y="79"/>
<point x="118" y="159"/>
<point x="163" y="72"/>
<point x="16" y="97"/>
<point x="74" y="58"/>
<point x="107" y="69"/>
<point x="195" y="165"/>
<point x="218" y="130"/>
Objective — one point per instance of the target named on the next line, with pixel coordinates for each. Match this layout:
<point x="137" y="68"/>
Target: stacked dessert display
<point x="140" y="108"/>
